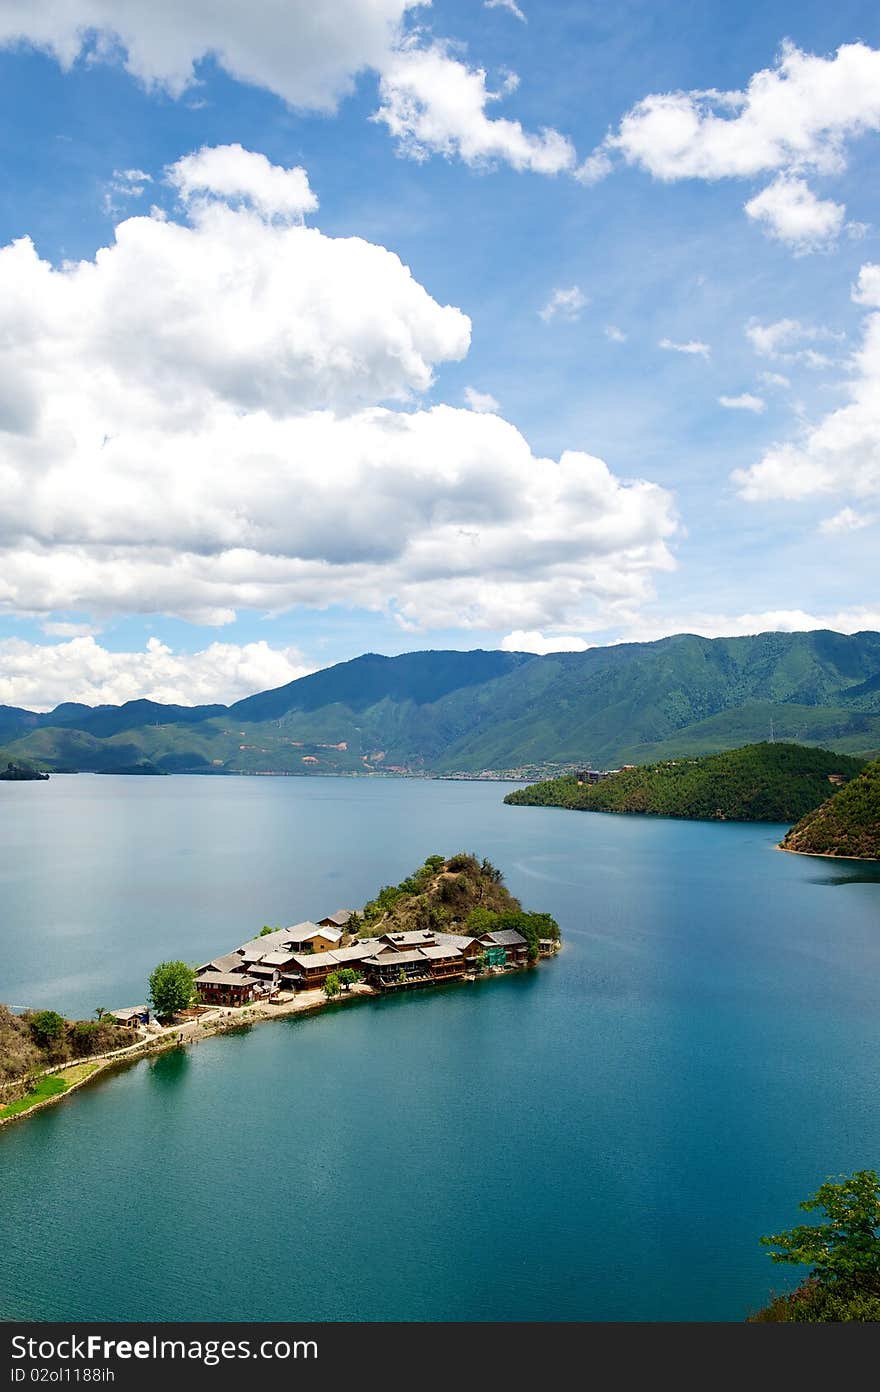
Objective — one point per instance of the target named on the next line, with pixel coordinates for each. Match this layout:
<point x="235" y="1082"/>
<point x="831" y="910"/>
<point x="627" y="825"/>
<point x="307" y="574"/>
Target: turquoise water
<point x="603" y="1138"/>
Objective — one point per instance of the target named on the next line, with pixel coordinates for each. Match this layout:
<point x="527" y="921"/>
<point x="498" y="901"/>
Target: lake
<point x="603" y="1138"/>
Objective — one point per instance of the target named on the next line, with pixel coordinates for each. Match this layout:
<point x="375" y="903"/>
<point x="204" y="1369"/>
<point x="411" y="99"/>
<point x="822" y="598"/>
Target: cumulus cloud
<point x="39" y="676"/>
<point x="307" y="54"/>
<point x="192" y="424"/>
<point x="847" y="520"/>
<point x="774" y="379"/>
<point x="534" y="642"/>
<point x="793" y="214"/>
<point x="509" y="5"/>
<point x="857" y="620"/>
<point x="745" y="402"/>
<point x="694" y="348"/>
<point x="433" y="104"/>
<point x="783" y="340"/>
<point x="481" y="401"/>
<point x="840" y="454"/>
<point x="614" y="334"/>
<point x="796" y="116"/>
<point x="564" y="304"/>
<point x="231" y="172"/>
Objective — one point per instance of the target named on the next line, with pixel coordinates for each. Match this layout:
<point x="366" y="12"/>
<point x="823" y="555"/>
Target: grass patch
<point x="52" y="1085"/>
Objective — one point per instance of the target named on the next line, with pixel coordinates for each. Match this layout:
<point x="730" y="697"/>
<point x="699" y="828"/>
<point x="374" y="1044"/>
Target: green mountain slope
<point x="448" y="712"/>
<point x="848" y="824"/>
<point x="759" y="783"/>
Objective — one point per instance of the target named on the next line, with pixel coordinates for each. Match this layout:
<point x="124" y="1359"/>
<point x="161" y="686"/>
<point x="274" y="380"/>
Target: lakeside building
<point x="303" y="956"/>
<point x="339" y="919"/>
<point x="226" y="988"/>
<point x="132" y="1016"/>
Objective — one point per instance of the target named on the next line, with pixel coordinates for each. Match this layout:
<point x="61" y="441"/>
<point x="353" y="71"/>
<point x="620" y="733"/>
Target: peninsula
<point x="847" y="824"/>
<point x="21" y="773"/>
<point x="452" y="919"/>
<point x="757" y="783"/>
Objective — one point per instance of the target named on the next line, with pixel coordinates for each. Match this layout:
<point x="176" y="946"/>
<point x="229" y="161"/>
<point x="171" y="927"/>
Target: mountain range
<point x="471" y="712"/>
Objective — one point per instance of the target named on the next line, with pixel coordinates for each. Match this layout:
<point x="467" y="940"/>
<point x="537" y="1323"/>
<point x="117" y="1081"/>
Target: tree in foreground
<point x="843" y="1255"/>
<point x="348" y="977"/>
<point x="172" y="986"/>
<point x="332" y="985"/>
<point x="47" y="1028"/>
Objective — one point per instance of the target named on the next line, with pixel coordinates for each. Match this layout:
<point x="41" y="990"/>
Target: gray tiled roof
<point x="505" y="937"/>
<point x="356" y="953"/>
<point x="212" y="978"/>
<point x="230" y="961"/>
<point x="391" y="959"/>
<point x="436" y="953"/>
<point x="340" y="917"/>
<point x="315" y="959"/>
<point x="412" y="939"/>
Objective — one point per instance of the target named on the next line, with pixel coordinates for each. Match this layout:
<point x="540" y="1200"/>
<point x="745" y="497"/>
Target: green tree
<point x="47" y="1027"/>
<point x="348" y="977"/>
<point x="172" y="985"/>
<point x="265" y="930"/>
<point x="844" y="1252"/>
<point x="332" y="985"/>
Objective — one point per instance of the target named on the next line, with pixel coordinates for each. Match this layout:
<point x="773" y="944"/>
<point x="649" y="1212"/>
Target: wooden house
<point x="339" y="920"/>
<point x="225" y="988"/>
<point x="390" y="970"/>
<point x="513" y="945"/>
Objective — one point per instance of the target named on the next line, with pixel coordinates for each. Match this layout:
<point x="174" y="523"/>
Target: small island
<point x="22" y="773"/>
<point x="846" y="825"/>
<point x="765" y="782"/>
<point x="452" y="920"/>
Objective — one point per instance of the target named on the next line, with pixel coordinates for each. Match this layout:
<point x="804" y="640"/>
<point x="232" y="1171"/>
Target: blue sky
<point x="206" y="469"/>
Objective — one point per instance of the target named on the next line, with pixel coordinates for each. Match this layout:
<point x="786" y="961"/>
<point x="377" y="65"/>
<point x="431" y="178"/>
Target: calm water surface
<point x="604" y="1138"/>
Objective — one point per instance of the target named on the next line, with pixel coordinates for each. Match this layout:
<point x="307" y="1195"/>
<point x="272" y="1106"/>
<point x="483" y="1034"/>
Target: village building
<point x="131" y="1016"/>
<point x="390" y="970"/>
<point x="505" y="948"/>
<point x="339" y="919"/>
<point x="403" y="942"/>
<point x="229" y="962"/>
<point x="225" y="988"/>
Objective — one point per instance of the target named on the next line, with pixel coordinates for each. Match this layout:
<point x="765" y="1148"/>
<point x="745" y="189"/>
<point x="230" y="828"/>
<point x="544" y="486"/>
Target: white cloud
<point x="434" y="104"/>
<point x="306" y="53"/>
<point x="840" y="454"/>
<point x="847" y="520"/>
<point x="189" y="424"/>
<point x="774" y="379"/>
<point x="535" y="642"/>
<point x="694" y="348"/>
<point x="858" y="620"/>
<point x="39" y="676"/>
<point x="309" y="55"/>
<point x="796" y="116"/>
<point x="564" y="303"/>
<point x="231" y="172"/>
<point x="614" y="334"/>
<point x="509" y="5"/>
<point x="481" y="401"/>
<point x="745" y="402"/>
<point x="783" y="341"/>
<point x="793" y="214"/>
<point x="62" y="629"/>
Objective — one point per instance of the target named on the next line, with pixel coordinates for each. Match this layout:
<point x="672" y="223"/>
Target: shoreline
<point x="828" y="855"/>
<point x="219" y="1020"/>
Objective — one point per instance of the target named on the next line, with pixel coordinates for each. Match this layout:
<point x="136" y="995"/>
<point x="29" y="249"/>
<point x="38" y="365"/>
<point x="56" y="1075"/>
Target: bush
<point x="47" y="1028"/>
